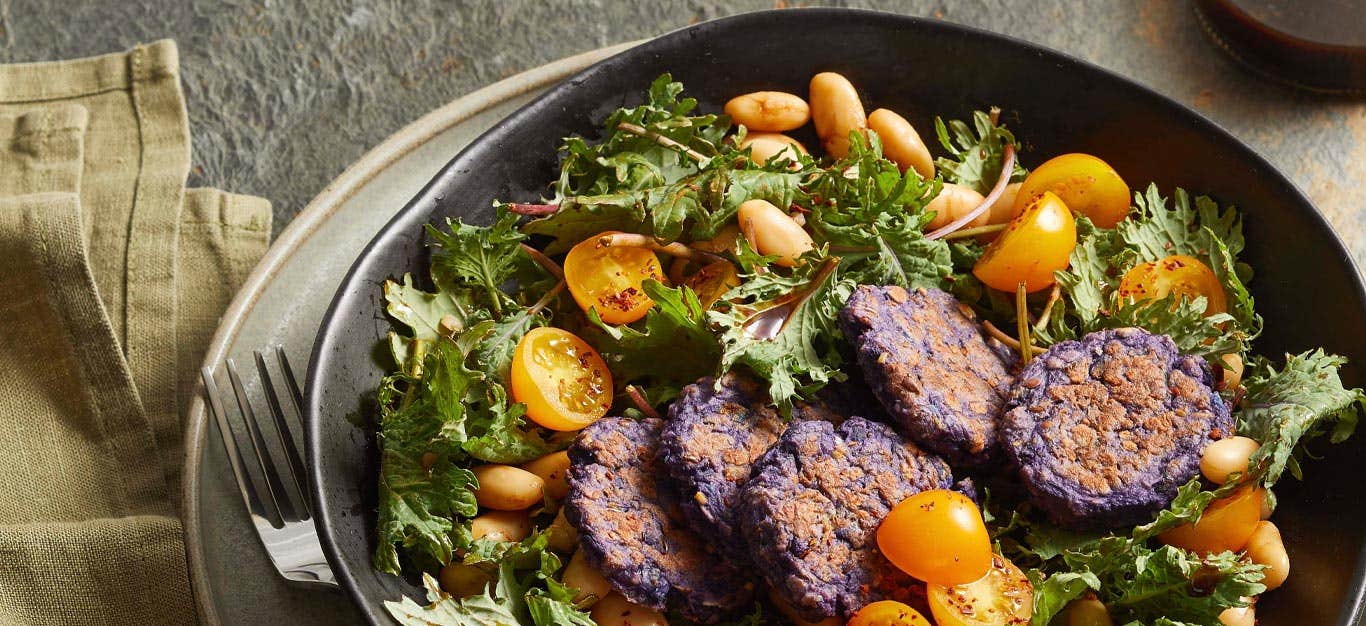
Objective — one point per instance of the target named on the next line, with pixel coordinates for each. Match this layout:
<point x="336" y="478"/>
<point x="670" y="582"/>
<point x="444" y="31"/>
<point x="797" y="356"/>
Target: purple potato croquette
<point x="631" y="531"/>
<point x="716" y="431"/>
<point x="811" y="510"/>
<point x="937" y="374"/>
<point x="1105" y="429"/>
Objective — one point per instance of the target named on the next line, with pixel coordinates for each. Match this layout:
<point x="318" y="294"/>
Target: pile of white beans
<point x="836" y="110"/>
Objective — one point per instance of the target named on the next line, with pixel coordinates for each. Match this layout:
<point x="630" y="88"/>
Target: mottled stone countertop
<point x="284" y="94"/>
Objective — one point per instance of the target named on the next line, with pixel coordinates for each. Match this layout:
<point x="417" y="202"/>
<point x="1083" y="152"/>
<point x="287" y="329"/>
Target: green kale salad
<point x="679" y="249"/>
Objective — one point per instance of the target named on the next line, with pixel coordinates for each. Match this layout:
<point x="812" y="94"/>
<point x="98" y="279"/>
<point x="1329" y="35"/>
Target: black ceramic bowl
<point x="1306" y="284"/>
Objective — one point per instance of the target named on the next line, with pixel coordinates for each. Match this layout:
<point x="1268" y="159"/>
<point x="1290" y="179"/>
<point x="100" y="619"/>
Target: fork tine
<point x="291" y="383"/>
<point x="295" y="464"/>
<point x="244" y="484"/>
<point x="274" y="488"/>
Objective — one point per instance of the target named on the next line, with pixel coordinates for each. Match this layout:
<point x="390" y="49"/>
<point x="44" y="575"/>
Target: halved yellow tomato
<point x="1185" y="276"/>
<point x="562" y="380"/>
<point x="1226" y="524"/>
<point x="937" y="536"/>
<point x="1038" y="242"/>
<point x="713" y="281"/>
<point x="887" y="613"/>
<point x="608" y="278"/>
<point x="1087" y="184"/>
<point x="1004" y="597"/>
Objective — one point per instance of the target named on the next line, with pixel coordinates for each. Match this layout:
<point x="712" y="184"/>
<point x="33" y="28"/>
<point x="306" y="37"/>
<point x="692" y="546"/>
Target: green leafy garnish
<point x="482" y="258"/>
<point x="977" y="152"/>
<point x="676" y="326"/>
<point x="447" y="405"/>
<point x="784" y="328"/>
<point x="523" y="591"/>
<point x="1285" y="408"/>
<point x="874" y="215"/>
<point x="1193" y="227"/>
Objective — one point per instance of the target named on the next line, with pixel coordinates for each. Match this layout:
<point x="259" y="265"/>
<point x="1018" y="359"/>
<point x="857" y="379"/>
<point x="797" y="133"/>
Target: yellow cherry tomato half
<point x="1038" y="242"/>
<point x="887" y="613"/>
<point x="1085" y="183"/>
<point x="937" y="536"/>
<point x="1004" y="597"/>
<point x="1226" y="524"/>
<point x="608" y="278"/>
<point x="1184" y="276"/>
<point x="713" y="281"/>
<point x="562" y="380"/>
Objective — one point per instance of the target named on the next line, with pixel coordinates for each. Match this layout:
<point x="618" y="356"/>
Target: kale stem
<point x="1048" y="307"/>
<point x="973" y="232"/>
<point x="495" y="295"/>
<point x="674" y="248"/>
<point x="414" y="371"/>
<point x="544" y="261"/>
<point x="638" y="399"/>
<point x="1022" y="322"/>
<point x="547" y="298"/>
<point x="663" y="141"/>
<point x="1006" y="339"/>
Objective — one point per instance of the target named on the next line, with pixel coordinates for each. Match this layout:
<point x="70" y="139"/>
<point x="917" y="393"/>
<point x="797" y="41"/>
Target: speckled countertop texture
<point x="283" y="95"/>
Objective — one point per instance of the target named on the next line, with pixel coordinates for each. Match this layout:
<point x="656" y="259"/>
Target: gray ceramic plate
<point x="281" y="304"/>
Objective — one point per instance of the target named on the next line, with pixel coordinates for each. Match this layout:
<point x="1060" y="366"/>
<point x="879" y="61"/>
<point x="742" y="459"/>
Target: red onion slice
<point x="1007" y="168"/>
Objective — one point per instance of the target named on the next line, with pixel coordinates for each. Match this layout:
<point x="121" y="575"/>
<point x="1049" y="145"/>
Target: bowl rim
<point x="1354" y="607"/>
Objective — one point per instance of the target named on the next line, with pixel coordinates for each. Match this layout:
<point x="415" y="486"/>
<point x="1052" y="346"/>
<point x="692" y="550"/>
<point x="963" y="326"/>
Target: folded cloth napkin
<point x="114" y="277"/>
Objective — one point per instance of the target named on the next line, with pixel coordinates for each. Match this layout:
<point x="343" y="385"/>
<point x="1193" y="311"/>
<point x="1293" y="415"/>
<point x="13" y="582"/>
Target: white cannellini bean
<point x="837" y="111"/>
<point x="563" y="536"/>
<point x="505" y="526"/>
<point x="1088" y="612"/>
<point x="764" y="147"/>
<point x="615" y="610"/>
<point x="1242" y="616"/>
<point x="553" y="470"/>
<point x="461" y="580"/>
<point x="1226" y="456"/>
<point x="773" y="111"/>
<point x="1265" y="547"/>
<point x="901" y="143"/>
<point x="771" y="231"/>
<point x="953" y="202"/>
<point x="507" y="488"/>
<point x="579" y="575"/>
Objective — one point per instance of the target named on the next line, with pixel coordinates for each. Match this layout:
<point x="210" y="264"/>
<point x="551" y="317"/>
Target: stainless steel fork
<point x="284" y="516"/>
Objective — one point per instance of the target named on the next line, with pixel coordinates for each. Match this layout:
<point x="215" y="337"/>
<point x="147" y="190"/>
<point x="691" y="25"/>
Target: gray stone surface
<point x="283" y="95"/>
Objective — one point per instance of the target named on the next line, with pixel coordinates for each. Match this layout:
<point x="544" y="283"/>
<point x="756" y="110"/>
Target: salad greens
<point x="664" y="171"/>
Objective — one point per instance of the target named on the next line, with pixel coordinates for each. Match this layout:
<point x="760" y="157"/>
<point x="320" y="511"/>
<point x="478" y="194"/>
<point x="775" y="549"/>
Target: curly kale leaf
<point x="1285" y="408"/>
<point x="522" y="591"/>
<point x="977" y="152"/>
<point x="694" y="207"/>
<point x="874" y="214"/>
<point x="629" y="161"/>
<point x="480" y="258"/>
<point x="1141" y="584"/>
<point x="783" y="327"/>
<point x="1198" y="228"/>
<point x="1154" y="231"/>
<point x="676" y="326"/>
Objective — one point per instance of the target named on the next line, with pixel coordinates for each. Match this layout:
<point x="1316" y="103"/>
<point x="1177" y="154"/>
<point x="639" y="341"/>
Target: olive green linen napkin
<point x="114" y="278"/>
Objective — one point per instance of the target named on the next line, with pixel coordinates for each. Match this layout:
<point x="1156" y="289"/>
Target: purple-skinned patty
<point x="811" y="510"/>
<point x="933" y="368"/>
<point x="1104" y="430"/>
<point x="631" y="531"/>
<point x="715" y="432"/>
